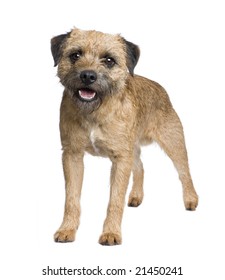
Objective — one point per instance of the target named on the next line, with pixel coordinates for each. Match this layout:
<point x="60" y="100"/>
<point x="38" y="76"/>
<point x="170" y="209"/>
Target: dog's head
<point x="92" y="65"/>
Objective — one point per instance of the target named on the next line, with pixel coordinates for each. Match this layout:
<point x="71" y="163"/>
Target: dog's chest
<point x="99" y="142"/>
<point x="93" y="139"/>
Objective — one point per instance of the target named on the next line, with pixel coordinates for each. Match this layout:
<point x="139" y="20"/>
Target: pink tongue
<point x="86" y="94"/>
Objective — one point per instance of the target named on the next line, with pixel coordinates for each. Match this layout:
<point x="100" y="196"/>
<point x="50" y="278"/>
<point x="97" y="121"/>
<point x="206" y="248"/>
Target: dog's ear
<point x="56" y="47"/>
<point x="133" y="54"/>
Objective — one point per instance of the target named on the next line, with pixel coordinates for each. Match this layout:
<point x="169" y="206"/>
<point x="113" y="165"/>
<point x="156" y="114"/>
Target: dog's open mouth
<point x="86" y="94"/>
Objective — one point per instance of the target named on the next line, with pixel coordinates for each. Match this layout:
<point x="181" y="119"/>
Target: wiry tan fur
<point x="133" y="111"/>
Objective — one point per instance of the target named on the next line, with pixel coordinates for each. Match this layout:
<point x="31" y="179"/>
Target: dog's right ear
<point x="56" y="47"/>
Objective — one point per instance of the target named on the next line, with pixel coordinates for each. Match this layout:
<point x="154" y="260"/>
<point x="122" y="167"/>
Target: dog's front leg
<point x="120" y="174"/>
<point x="73" y="171"/>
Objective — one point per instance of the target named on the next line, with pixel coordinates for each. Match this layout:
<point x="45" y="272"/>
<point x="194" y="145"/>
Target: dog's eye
<point x="75" y="56"/>
<point x="109" y="61"/>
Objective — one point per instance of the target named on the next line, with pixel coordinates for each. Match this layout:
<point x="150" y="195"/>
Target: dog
<point x="109" y="111"/>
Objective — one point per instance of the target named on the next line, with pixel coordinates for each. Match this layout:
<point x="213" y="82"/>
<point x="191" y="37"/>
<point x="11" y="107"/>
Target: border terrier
<point x="108" y="111"/>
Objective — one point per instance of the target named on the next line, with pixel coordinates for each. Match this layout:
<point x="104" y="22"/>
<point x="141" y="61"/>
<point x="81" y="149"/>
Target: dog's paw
<point x="109" y="238"/>
<point x="191" y="201"/>
<point x="134" y="201"/>
<point x="64" y="236"/>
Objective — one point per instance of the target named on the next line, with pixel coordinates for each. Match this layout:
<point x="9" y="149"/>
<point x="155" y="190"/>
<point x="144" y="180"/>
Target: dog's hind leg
<point x="136" y="194"/>
<point x="170" y="137"/>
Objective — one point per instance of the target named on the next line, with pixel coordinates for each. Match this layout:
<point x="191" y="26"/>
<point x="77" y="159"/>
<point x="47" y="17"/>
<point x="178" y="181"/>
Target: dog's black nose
<point x="88" y="77"/>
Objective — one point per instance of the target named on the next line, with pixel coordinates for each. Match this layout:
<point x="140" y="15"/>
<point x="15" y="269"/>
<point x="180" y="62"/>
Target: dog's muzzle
<point x="87" y="78"/>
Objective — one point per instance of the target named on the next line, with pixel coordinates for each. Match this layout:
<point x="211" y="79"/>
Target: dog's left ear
<point x="133" y="54"/>
<point x="56" y="47"/>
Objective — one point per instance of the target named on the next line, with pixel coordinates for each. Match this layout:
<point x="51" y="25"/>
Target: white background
<point x="182" y="48"/>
